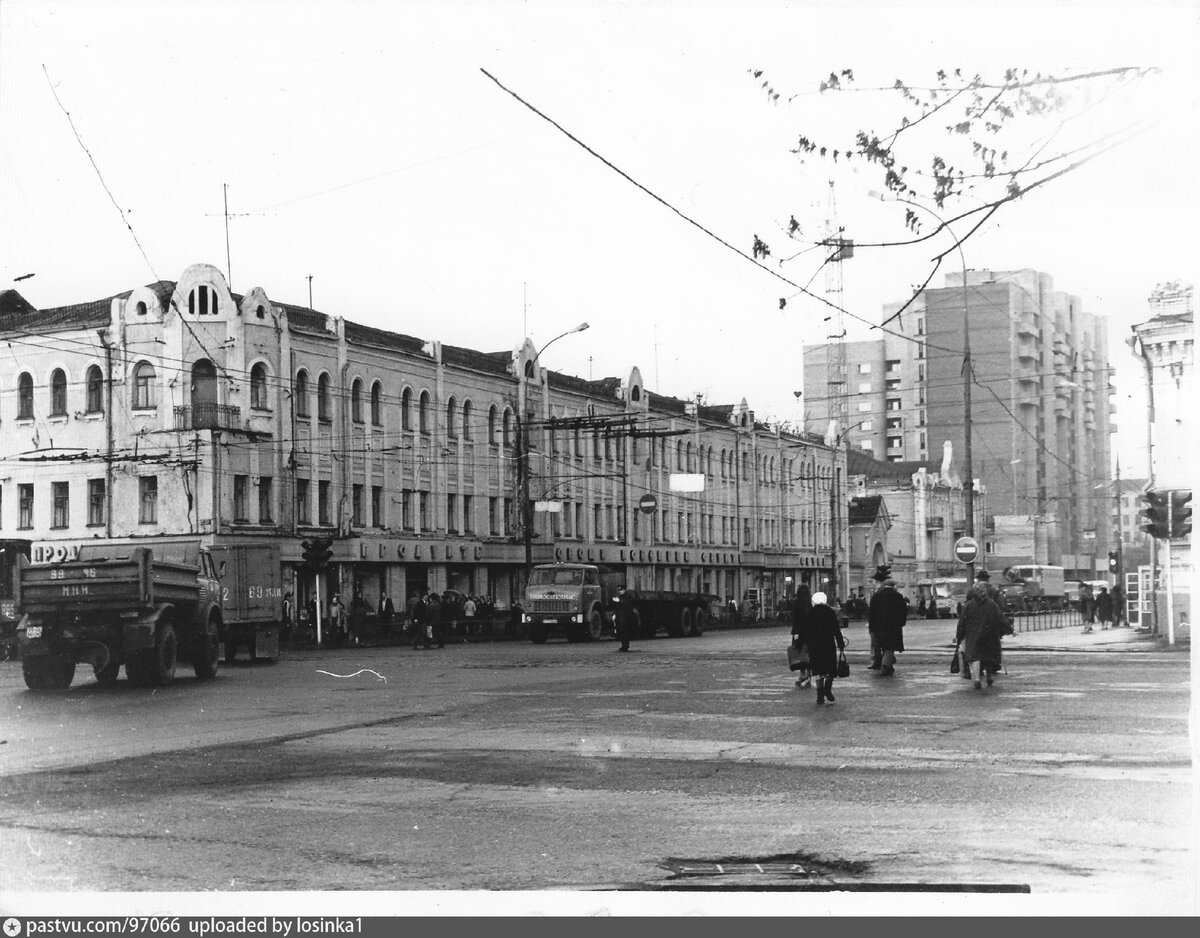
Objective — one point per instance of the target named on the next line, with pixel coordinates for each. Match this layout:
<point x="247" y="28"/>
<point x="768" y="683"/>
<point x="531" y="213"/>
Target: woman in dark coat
<point x="980" y="628"/>
<point x="801" y="612"/>
<point x="824" y="642"/>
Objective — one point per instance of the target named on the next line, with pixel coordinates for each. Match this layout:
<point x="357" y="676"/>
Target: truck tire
<point x="677" y="624"/>
<point x="641" y="628"/>
<point x="108" y="674"/>
<point x="699" y="621"/>
<point x="595" y="626"/>
<point x="538" y="633"/>
<point x="206" y="657"/>
<point x="155" y="666"/>
<point x="48" y="672"/>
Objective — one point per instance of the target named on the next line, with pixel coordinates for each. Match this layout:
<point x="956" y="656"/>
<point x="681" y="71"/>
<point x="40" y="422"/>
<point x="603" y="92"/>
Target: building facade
<point x="1165" y="345"/>
<point x="183" y="408"/>
<point x="1040" y="406"/>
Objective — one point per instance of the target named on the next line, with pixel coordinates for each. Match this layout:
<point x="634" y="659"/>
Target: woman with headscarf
<point x="980" y="627"/>
<point x="801" y="612"/>
<point x="824" y="642"/>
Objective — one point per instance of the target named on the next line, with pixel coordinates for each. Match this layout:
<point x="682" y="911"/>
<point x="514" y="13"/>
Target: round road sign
<point x="648" y="503"/>
<point x="966" y="549"/>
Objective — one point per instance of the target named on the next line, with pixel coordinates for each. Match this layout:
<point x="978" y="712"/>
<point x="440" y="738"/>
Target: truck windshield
<point x="553" y="576"/>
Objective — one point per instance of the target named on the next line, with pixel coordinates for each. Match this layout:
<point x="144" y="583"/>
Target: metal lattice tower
<point x="835" y="346"/>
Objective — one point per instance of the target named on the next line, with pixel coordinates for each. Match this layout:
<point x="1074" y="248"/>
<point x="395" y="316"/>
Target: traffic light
<point x="1181" y="513"/>
<point x="1114" y="561"/>
<point x="1154" y="514"/>
<point x="317" y="552"/>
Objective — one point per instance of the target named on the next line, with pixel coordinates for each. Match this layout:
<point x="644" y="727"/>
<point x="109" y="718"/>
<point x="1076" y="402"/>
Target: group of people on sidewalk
<point x="817" y="634"/>
<point x="1105" y="607"/>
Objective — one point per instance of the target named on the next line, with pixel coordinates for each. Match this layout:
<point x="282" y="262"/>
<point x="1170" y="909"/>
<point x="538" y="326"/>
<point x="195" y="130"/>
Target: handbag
<point x="954" y="662"/>
<point x="843" y="666"/>
<point x="797" y="658"/>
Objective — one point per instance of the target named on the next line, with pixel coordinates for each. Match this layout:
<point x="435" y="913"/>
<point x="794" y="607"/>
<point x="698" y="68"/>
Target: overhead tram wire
<point x="692" y="221"/>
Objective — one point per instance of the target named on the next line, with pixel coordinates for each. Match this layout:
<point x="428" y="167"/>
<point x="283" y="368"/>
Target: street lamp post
<point x="523" y="456"/>
<point x="967" y="374"/>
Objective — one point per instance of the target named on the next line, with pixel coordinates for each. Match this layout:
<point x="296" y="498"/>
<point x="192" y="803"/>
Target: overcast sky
<point x="362" y="145"/>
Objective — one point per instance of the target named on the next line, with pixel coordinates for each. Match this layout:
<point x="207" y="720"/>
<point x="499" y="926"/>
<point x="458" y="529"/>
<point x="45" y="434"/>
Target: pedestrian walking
<point x="1120" y="619"/>
<point x="358" y="620"/>
<point x="981" y="625"/>
<point x="337" y="621"/>
<point x="437" y="620"/>
<point x="885" y="621"/>
<point x="287" y="616"/>
<point x="422" y="631"/>
<point x="1104" y="608"/>
<point x="825" y="641"/>
<point x="623" y="619"/>
<point x="468" y="610"/>
<point x="801" y="614"/>
<point x="1086" y="605"/>
<point x="386" y="612"/>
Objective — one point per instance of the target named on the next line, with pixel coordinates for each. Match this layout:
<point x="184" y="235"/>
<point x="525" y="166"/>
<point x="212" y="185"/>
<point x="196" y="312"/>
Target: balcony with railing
<point x="206" y="416"/>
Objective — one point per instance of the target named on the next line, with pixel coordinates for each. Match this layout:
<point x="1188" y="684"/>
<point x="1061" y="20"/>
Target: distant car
<point x="1013" y="600"/>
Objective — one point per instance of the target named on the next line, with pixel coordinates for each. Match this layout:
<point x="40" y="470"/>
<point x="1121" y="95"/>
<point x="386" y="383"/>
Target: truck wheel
<point x="677" y="624"/>
<point x="641" y="629"/>
<point x="595" y="627"/>
<point x="537" y="633"/>
<point x="48" y="672"/>
<point x="206" y="657"/>
<point x="699" y="622"/>
<point x="155" y="666"/>
<point x="108" y="674"/>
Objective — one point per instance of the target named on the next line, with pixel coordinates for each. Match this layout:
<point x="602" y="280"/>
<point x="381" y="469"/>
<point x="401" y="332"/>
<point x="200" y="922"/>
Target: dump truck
<point x="115" y="605"/>
<point x="576" y="600"/>
<point x="1042" y="587"/>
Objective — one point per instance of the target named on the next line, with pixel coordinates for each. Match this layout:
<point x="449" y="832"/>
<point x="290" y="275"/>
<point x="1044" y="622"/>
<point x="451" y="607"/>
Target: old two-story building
<point x="909" y="515"/>
<point x="183" y="408"/>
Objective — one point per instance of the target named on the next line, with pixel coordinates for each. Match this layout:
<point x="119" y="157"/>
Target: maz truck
<point x="576" y="600"/>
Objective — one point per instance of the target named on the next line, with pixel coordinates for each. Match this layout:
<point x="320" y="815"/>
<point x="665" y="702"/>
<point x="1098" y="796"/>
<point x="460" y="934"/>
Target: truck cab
<point x="566" y="597"/>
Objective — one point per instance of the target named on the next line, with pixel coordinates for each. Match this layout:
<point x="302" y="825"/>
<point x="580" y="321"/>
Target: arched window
<point x="691" y="458"/>
<point x="451" y="419"/>
<point x="145" y="391"/>
<point x="95" y="390"/>
<point x="491" y="433"/>
<point x="376" y="404"/>
<point x="356" y="413"/>
<point x="679" y="455"/>
<point x="529" y="368"/>
<point x="423" y="413"/>
<point x="202" y="301"/>
<point x="258" y="387"/>
<point x="323" y="397"/>
<point x="635" y="394"/>
<point x="25" y="396"/>
<point x="300" y="393"/>
<point x="58" y="393"/>
<point x="507" y="428"/>
<point x="406" y="409"/>
<point x="141" y="308"/>
<point x="466" y="423"/>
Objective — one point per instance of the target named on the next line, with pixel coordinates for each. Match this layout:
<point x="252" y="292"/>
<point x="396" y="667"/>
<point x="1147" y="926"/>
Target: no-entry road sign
<point x="648" y="503"/>
<point x="966" y="549"/>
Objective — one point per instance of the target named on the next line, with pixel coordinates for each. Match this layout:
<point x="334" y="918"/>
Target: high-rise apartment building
<point x="1039" y="411"/>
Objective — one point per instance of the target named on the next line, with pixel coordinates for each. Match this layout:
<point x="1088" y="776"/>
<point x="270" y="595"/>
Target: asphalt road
<point x="689" y="764"/>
